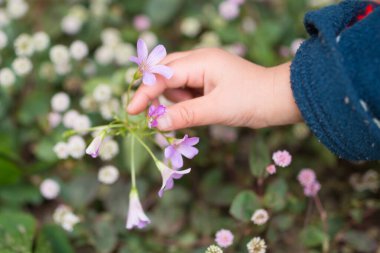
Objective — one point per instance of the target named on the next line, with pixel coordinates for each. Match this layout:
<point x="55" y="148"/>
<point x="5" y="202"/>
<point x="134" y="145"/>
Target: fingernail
<point x="164" y="122"/>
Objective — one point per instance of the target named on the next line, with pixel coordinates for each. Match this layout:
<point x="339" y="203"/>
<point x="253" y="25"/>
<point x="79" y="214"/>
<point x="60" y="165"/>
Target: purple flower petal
<point x="149" y="78"/>
<point x="187" y="151"/>
<point x="162" y="70"/>
<point x="161" y="109"/>
<point x="142" y="50"/>
<point x="135" y="60"/>
<point x="157" y="55"/>
<point x="191" y="141"/>
<point x="151" y="110"/>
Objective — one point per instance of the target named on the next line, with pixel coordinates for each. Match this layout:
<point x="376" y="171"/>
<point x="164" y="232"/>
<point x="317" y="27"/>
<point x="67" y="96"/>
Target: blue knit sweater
<point x="336" y="78"/>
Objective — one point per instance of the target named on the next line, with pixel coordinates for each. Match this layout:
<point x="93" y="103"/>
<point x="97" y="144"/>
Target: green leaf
<point x="10" y="173"/>
<point x="360" y="241"/>
<point x="105" y="235"/>
<point x="35" y="105"/>
<point x="44" y="150"/>
<point x="312" y="236"/>
<point x="81" y="191"/>
<point x="275" y="195"/>
<point x="53" y="239"/>
<point x="162" y="11"/>
<point x="244" y="204"/>
<point x="20" y="194"/>
<point x="259" y="157"/>
<point x="16" y="232"/>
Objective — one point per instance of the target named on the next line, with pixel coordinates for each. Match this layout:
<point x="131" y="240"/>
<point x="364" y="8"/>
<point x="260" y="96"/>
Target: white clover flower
<point x="7" y="78"/>
<point x="129" y="74"/>
<point x="190" y="27"/>
<point x="41" y="41"/>
<point x="108" y="174"/>
<point x="150" y="39"/>
<point x="24" y="45"/>
<point x="123" y="52"/>
<point x="102" y="93"/>
<point x="22" y="66"/>
<point x="88" y="103"/>
<point x="77" y="147"/>
<point x="54" y="119"/>
<point x="3" y="39"/>
<point x="4" y="19"/>
<point x="69" y="118"/>
<point x="110" y="37"/>
<point x="214" y="249"/>
<point x="61" y="149"/>
<point x="50" y="189"/>
<point x="109" y="150"/>
<point x="81" y="124"/>
<point x="109" y="109"/>
<point x="17" y="8"/>
<point x="71" y="24"/>
<point x="63" y="68"/>
<point x="59" y="54"/>
<point x="260" y="217"/>
<point x="104" y="55"/>
<point x="257" y="245"/>
<point x="60" y="102"/>
<point x="78" y="50"/>
<point x="64" y="217"/>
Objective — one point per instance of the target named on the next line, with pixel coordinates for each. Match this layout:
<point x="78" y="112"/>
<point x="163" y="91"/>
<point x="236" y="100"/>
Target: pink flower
<point x="136" y="216"/>
<point x="149" y="63"/>
<point x="271" y="169"/>
<point x="282" y="158"/>
<point x="224" y="238"/>
<point x="141" y="23"/>
<point x="168" y="176"/>
<point x="229" y="10"/>
<point x="312" y="189"/>
<point x="154" y="113"/>
<point x="179" y="148"/>
<point x="306" y="177"/>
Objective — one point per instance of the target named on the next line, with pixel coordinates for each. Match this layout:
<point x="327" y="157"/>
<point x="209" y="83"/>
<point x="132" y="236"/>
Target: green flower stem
<point x="133" y="169"/>
<point x="130" y="88"/>
<point x="146" y="147"/>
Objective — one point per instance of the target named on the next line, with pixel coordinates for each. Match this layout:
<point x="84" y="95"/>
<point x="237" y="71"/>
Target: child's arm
<point x="234" y="92"/>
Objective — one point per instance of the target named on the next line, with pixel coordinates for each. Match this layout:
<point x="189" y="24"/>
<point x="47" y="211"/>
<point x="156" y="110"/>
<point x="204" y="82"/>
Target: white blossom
<point x="190" y="27"/>
<point x="71" y="24"/>
<point x="82" y="123"/>
<point x="41" y="41"/>
<point x="256" y="245"/>
<point x="3" y="40"/>
<point x="61" y="149"/>
<point x="260" y="217"/>
<point x="102" y="93"/>
<point x="54" y="119"/>
<point x="4" y="18"/>
<point x="64" y="216"/>
<point x="17" y="8"/>
<point x="77" y="146"/>
<point x="59" y="54"/>
<point x="150" y="39"/>
<point x="109" y="109"/>
<point x="7" y="78"/>
<point x="22" y="66"/>
<point x="63" y="68"/>
<point x="50" y="189"/>
<point x="24" y="45"/>
<point x="110" y="37"/>
<point x="69" y="118"/>
<point x="60" y="102"/>
<point x="104" y="55"/>
<point x="123" y="52"/>
<point x="78" y="50"/>
<point x="108" y="174"/>
<point x="108" y="150"/>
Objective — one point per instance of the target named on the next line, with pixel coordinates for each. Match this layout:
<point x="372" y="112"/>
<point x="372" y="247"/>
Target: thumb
<point x="194" y="112"/>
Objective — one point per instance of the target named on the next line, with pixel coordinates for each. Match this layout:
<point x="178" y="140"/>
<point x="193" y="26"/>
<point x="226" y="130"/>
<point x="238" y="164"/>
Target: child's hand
<point x="231" y="91"/>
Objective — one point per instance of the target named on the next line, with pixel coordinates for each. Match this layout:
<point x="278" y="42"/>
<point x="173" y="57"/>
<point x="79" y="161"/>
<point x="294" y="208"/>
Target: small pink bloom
<point x="282" y="158"/>
<point x="306" y="177"/>
<point x="312" y="189"/>
<point x="181" y="147"/>
<point x="141" y="23"/>
<point x="271" y="169"/>
<point x="224" y="238"/>
<point x="229" y="10"/>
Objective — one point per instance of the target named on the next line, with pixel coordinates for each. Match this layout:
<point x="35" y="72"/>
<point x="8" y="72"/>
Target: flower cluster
<point x="308" y="180"/>
<point x="257" y="245"/>
<point x="281" y="158"/>
<point x="65" y="217"/>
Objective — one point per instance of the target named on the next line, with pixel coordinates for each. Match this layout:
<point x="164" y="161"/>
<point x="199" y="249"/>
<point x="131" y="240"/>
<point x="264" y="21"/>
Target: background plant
<point x="228" y="182"/>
